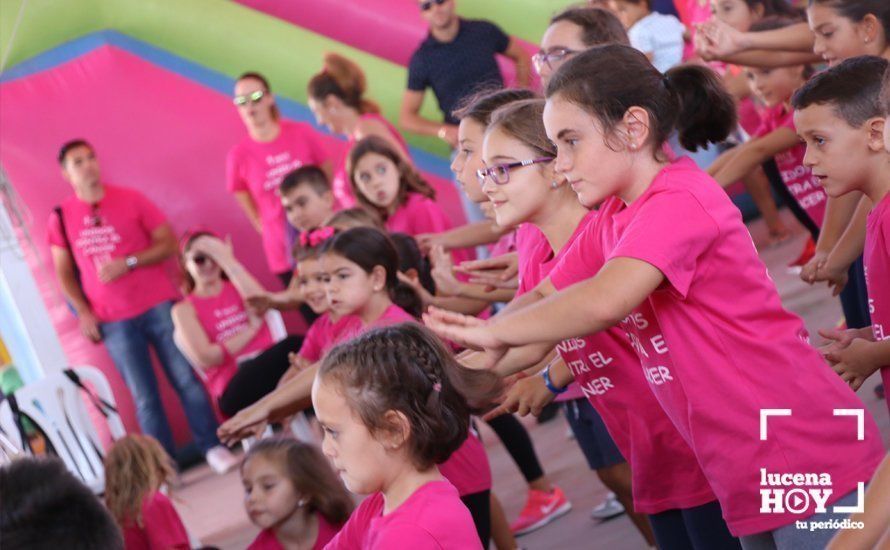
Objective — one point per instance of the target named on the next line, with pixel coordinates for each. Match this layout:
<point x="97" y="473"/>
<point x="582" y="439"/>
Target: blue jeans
<point x="127" y="342"/>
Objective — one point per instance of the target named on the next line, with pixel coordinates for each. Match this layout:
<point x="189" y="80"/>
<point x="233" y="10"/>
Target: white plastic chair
<point x="56" y="405"/>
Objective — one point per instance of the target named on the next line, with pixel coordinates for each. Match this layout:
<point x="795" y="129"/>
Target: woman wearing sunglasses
<point x="254" y="167"/>
<point x="231" y="348"/>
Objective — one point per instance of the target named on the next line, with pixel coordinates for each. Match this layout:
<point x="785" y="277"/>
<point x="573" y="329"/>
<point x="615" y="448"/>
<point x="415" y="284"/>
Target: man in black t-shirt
<point x="456" y="59"/>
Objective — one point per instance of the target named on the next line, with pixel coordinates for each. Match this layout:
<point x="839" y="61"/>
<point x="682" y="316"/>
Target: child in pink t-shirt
<point x="674" y="242"/>
<point x="136" y="469"/>
<point x="293" y="495"/>
<point x="391" y="413"/>
<point x="384" y="182"/>
<point x="776" y="138"/>
<point x="827" y="109"/>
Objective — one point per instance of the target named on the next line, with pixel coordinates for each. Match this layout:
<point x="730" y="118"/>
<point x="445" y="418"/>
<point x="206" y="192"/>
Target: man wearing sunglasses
<point x="117" y="240"/>
<point x="456" y="59"/>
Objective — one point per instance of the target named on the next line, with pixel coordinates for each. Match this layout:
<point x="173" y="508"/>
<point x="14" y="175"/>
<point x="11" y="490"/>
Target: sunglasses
<point x="500" y="173"/>
<point x="255" y="97"/>
<point x="200" y="259"/>
<point x="548" y="59"/>
<point x="428" y="4"/>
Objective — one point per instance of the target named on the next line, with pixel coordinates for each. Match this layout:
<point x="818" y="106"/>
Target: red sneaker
<point x="809" y="250"/>
<point x="540" y="509"/>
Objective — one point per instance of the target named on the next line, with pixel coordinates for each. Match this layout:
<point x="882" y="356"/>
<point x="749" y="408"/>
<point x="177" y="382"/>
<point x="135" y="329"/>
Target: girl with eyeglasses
<point x="255" y="167"/>
<point x="337" y="99"/>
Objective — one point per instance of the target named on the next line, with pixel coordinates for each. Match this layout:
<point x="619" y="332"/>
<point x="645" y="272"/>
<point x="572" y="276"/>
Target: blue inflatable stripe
<point x="214" y="80"/>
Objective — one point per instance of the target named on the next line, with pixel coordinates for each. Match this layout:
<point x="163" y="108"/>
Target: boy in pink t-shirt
<point x="828" y="108"/>
<point x="118" y="240"/>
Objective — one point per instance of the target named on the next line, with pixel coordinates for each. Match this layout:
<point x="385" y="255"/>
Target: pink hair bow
<point x="315" y="237"/>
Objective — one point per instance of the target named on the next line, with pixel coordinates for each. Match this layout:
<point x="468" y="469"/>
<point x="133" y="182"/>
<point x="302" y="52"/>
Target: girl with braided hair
<point x="392" y="410"/>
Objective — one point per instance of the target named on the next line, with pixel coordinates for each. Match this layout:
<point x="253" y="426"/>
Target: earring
<point x="554" y="184"/>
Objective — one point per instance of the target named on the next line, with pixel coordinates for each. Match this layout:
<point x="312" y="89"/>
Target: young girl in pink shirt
<point x="293" y="495"/>
<point x="775" y="137"/>
<point x="682" y="276"/>
<point x="136" y="469"/>
<point x="391" y="410"/>
<point x="360" y="267"/>
<point x="841" y="123"/>
<point x="384" y="182"/>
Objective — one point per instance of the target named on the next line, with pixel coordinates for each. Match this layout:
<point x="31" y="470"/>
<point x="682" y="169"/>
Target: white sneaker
<point x="609" y="508"/>
<point x="221" y="460"/>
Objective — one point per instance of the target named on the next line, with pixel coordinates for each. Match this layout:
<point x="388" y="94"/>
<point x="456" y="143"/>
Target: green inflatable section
<point x="526" y="19"/>
<point x="230" y="38"/>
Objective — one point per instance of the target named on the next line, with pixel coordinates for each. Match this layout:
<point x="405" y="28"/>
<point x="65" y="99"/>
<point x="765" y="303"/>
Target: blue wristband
<point x="545" y="374"/>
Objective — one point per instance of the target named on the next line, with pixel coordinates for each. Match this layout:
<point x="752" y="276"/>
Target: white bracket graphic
<point x="860" y="420"/>
<point x="766" y="413"/>
<point x="860" y="502"/>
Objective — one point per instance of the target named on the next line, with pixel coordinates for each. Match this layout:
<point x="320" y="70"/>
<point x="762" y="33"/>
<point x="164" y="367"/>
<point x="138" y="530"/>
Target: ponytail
<point x="344" y="80"/>
<point x="607" y="80"/>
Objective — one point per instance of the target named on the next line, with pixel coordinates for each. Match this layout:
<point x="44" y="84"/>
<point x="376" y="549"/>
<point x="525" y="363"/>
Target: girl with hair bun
<point x="337" y="99"/>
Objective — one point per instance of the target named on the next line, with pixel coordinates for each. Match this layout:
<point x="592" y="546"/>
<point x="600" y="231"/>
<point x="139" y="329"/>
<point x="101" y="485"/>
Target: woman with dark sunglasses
<point x="254" y="168"/>
<point x="231" y="348"/>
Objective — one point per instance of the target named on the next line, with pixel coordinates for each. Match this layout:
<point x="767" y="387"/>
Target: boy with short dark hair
<point x="306" y="197"/>
<point x="840" y="117"/>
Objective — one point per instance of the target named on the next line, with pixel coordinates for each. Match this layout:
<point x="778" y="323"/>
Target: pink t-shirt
<point x="324" y="334"/>
<point x="797" y="177"/>
<point x="258" y="167"/>
<point x="734" y="351"/>
<point x="536" y="259"/>
<point x="433" y="517"/>
<point x="665" y="472"/>
<point x="266" y="540"/>
<point x="340" y="185"/>
<point x="162" y="527"/>
<point x="223" y="316"/>
<point x="877" y="274"/>
<point x="117" y="226"/>
<point x="692" y="12"/>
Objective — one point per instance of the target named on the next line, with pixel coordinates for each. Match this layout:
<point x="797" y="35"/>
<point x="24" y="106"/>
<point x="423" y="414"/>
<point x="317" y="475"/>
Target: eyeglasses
<point x="255" y="97"/>
<point x="557" y="55"/>
<point x="426" y="6"/>
<point x="500" y="173"/>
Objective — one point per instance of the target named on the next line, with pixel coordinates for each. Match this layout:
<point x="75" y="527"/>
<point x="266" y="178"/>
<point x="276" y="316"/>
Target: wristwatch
<point x="131" y="262"/>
